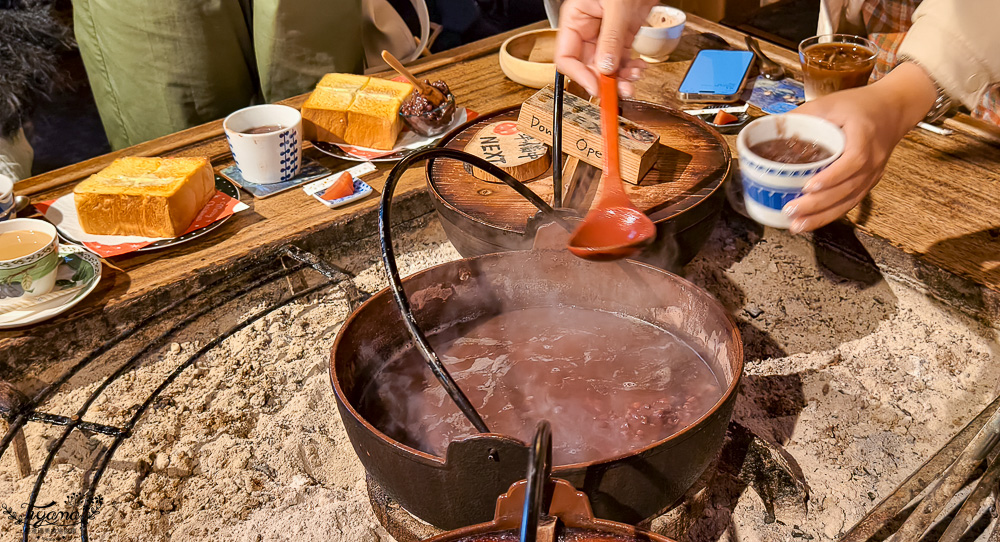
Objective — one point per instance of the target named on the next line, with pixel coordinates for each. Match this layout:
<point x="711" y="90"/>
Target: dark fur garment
<point x="30" y="40"/>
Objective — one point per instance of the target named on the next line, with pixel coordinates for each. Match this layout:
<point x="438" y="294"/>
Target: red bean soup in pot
<point x="607" y="383"/>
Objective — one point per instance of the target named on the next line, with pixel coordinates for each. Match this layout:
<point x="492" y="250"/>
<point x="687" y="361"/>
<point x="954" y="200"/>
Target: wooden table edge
<point x="61" y="178"/>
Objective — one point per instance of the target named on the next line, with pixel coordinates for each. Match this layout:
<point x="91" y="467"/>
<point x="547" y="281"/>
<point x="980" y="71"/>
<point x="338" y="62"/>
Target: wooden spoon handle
<point x="401" y="70"/>
<point x="433" y="95"/>
<point x="609" y="126"/>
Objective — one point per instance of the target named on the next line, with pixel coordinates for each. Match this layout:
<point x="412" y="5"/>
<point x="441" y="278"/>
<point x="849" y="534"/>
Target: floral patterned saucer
<point x="78" y="274"/>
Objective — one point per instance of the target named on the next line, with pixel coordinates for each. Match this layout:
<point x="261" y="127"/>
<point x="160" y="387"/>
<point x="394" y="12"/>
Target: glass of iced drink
<point x="835" y="62"/>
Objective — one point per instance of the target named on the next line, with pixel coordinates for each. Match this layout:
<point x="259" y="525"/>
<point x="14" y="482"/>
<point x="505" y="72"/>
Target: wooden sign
<point x="505" y="146"/>
<point x="582" y="133"/>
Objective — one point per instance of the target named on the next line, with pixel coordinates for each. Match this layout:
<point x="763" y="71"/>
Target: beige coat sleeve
<point x="957" y="42"/>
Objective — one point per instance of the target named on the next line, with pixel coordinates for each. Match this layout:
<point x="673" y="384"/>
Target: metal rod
<point x="127" y="366"/>
<point x="888" y="508"/>
<point x="536" y="494"/>
<point x="55" y="419"/>
<point x="21" y="456"/>
<point x="396" y="284"/>
<point x="18" y="422"/>
<point x="11" y="404"/>
<point x="557" y="141"/>
<point x="354" y="296"/>
<point x="953" y="478"/>
<point x="106" y="459"/>
<point x="475" y="161"/>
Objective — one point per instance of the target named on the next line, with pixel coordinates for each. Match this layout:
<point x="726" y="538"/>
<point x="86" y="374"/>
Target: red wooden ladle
<point x="613" y="228"/>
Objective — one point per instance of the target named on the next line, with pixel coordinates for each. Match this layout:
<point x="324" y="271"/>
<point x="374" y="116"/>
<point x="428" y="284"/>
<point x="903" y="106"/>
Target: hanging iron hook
<point x="537" y="494"/>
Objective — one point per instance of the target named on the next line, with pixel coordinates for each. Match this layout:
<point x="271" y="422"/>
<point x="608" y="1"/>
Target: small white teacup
<point x="266" y="142"/>
<point x="29" y="258"/>
<point x="769" y="185"/>
<point x="655" y="43"/>
<point x="6" y="197"/>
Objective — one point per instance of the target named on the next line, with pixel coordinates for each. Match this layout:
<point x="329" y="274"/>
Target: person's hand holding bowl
<point x="874" y="119"/>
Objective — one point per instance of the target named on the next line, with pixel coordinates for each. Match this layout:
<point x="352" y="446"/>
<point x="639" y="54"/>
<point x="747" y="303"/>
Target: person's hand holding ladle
<point x="613" y="228"/>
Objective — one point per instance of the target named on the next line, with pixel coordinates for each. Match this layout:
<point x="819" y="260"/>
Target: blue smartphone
<point x="716" y="76"/>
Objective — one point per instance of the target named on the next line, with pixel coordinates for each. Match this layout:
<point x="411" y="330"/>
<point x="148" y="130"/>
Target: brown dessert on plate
<point x="423" y="117"/>
<point x="791" y="150"/>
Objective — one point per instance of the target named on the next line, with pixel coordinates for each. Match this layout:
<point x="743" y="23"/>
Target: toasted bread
<point x="324" y="114"/>
<point x="149" y="197"/>
<point x="358" y="110"/>
<point x="343" y="81"/>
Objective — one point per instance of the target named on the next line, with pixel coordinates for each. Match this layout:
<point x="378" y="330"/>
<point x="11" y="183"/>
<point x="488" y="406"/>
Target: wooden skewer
<point x="11" y="401"/>
<point x="546" y="529"/>
<point x="433" y="95"/>
<point x="929" y="474"/>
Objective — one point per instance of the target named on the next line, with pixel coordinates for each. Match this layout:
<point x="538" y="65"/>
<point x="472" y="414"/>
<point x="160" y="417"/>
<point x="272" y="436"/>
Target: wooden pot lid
<point x="692" y="164"/>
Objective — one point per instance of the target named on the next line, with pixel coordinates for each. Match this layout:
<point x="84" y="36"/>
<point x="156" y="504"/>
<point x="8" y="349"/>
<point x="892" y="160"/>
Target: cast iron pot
<point x="461" y="489"/>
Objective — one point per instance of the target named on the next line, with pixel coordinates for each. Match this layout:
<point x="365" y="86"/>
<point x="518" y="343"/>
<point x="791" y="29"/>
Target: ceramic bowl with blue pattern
<point x="769" y="185"/>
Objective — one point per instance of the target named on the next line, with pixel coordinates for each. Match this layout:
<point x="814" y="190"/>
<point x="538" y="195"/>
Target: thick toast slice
<point x="149" y="197"/>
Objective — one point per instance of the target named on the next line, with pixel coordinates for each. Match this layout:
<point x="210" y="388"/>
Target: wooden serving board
<point x="693" y="162"/>
<point x="581" y="129"/>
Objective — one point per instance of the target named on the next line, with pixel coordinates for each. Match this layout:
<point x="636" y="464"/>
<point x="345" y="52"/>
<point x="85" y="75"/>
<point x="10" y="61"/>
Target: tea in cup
<point x="29" y="258"/>
<point x="266" y="142"/>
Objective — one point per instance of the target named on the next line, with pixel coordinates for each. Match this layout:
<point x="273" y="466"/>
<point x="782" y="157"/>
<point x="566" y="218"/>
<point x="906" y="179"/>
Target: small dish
<point x="361" y="189"/>
<point x="656" y="40"/>
<point x="310" y="171"/>
<point x="528" y="58"/>
<point x="77" y="276"/>
<point x="732" y="127"/>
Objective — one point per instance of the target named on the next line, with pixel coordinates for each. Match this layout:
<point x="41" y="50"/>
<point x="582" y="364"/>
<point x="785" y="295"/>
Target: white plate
<point x="408" y="141"/>
<point x="53" y="304"/>
<point x="67" y="232"/>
